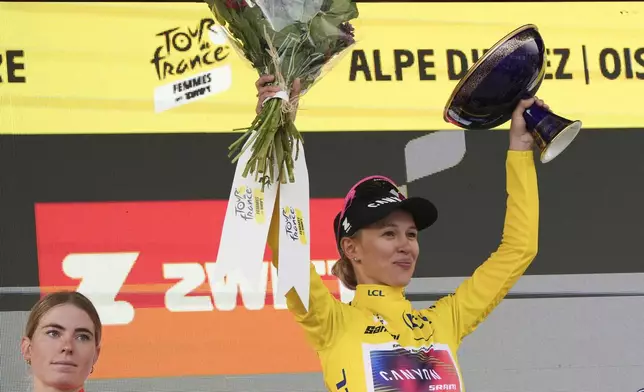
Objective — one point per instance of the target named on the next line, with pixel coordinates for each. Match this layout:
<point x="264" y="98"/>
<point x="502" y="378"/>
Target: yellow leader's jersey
<point x="378" y="342"/>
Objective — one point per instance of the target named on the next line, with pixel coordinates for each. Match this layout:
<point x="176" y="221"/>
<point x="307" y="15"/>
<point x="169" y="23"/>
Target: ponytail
<point x="343" y="269"/>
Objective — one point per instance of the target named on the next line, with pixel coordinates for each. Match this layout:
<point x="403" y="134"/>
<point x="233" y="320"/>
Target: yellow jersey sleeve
<point x="478" y="295"/>
<point x="326" y="315"/>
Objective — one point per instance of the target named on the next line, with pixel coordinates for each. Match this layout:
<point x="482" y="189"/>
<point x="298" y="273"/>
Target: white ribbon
<point x="246" y="224"/>
<point x="283" y="95"/>
<point x="294" y="234"/>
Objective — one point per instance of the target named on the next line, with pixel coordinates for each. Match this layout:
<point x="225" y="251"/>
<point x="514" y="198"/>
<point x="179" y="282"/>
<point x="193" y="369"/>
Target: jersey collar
<point x="375" y="295"/>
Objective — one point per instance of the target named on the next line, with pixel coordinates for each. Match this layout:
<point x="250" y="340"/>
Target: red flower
<point x="236" y="4"/>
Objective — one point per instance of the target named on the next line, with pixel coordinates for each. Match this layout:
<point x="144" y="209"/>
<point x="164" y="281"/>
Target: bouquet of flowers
<point x="290" y="39"/>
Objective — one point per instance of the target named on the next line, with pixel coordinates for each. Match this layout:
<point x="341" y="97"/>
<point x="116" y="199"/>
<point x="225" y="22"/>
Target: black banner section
<point x="591" y="195"/>
<point x="591" y="207"/>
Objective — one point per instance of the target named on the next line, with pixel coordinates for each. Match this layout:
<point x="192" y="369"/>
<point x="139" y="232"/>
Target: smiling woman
<point x="380" y="341"/>
<point x="62" y="342"/>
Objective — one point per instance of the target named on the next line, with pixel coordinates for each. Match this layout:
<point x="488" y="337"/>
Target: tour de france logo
<point x="293" y="224"/>
<point x="249" y="204"/>
<point x="190" y="63"/>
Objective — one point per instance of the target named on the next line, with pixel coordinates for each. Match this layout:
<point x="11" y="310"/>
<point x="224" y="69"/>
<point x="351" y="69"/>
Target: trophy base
<point x="560" y="142"/>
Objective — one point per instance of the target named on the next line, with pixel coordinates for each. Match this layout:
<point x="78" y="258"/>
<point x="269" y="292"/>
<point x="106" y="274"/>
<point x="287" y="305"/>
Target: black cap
<point x="371" y="200"/>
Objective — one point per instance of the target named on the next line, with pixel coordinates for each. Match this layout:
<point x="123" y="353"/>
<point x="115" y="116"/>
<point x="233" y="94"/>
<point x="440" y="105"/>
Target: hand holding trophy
<point x="512" y="70"/>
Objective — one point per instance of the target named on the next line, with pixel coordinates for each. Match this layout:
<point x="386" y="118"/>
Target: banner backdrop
<point x="157" y="67"/>
<point x="134" y="221"/>
<point x="135" y="218"/>
<point x="148" y="267"/>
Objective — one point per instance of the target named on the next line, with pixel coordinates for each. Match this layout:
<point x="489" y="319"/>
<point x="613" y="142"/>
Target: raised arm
<point x="326" y="314"/>
<point x="478" y="295"/>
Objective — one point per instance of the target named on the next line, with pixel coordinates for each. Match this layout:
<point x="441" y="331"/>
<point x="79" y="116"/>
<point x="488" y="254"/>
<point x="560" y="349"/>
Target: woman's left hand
<point x="520" y="138"/>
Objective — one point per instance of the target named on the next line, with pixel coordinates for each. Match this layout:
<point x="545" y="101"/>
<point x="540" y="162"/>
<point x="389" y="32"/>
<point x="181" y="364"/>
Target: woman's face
<point x="386" y="251"/>
<point x="63" y="348"/>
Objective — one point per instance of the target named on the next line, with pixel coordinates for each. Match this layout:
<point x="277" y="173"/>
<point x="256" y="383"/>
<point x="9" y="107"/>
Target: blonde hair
<point x="60" y="298"/>
<point x="344" y="271"/>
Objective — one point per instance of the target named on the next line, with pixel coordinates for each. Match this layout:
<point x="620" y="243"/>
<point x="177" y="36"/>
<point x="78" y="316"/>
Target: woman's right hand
<point x="264" y="91"/>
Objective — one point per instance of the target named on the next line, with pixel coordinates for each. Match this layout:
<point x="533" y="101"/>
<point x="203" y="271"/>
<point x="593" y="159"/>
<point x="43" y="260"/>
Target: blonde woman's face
<point x="63" y="348"/>
<point x="387" y="251"/>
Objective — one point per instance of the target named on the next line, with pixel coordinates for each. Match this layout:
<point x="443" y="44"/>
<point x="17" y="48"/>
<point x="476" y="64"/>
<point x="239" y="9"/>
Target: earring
<point x="28" y="362"/>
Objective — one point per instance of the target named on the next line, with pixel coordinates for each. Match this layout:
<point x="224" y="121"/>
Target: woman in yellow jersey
<point x="62" y="342"/>
<point x="379" y="342"/>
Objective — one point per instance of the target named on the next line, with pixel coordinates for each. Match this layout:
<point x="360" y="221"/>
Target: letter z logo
<point x="102" y="276"/>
